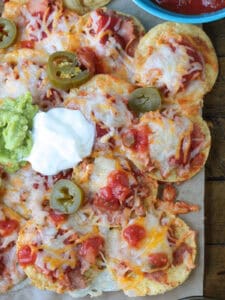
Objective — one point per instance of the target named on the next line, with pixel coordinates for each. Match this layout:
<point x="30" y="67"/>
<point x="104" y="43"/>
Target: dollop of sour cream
<point x="61" y="139"/>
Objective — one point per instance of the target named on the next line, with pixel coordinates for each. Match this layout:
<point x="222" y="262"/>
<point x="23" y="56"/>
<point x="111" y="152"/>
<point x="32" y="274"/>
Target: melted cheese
<point x="12" y="273"/>
<point x="136" y="258"/>
<point x="112" y="54"/>
<point x="166" y="140"/>
<point x="25" y="190"/>
<point x="23" y="71"/>
<point x="102" y="283"/>
<point x="54" y="42"/>
<point x="111" y="110"/>
<point x="50" y="28"/>
<point x="53" y="253"/>
<point x="166" y="67"/>
<point x="102" y="168"/>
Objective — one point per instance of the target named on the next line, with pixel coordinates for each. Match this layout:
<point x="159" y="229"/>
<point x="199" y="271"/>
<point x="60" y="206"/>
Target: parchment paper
<point x="192" y="191"/>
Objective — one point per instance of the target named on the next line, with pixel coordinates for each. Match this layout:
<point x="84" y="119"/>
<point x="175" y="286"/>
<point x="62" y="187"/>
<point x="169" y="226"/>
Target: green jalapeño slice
<point x="66" y="196"/>
<point x="144" y="99"/>
<point x="8" y="33"/>
<point x="64" y="70"/>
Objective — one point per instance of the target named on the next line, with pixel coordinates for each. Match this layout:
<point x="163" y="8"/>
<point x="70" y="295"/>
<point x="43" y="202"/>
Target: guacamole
<point x="16" y="119"/>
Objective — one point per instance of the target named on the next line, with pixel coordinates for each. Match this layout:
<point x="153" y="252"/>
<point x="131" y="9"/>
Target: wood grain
<point x="215" y="167"/>
<point x="214" y="213"/>
<point x="215" y="271"/>
<point x="214" y="102"/>
<point x="214" y="113"/>
<point x="216" y="31"/>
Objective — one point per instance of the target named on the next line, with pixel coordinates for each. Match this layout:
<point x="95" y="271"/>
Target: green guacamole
<point x="16" y="119"/>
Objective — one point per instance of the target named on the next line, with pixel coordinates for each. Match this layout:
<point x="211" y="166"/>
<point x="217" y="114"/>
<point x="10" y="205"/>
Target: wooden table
<point x="214" y="114"/>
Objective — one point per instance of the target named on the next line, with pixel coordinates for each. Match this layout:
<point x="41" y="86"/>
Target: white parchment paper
<point x="192" y="191"/>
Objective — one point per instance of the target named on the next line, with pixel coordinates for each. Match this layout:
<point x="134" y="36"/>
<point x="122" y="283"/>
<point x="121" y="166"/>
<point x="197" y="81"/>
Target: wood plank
<point x="221" y="76"/>
<point x="215" y="166"/>
<point x="214" y="285"/>
<point x="216" y="31"/>
<point x="214" y="212"/>
<point x="214" y="101"/>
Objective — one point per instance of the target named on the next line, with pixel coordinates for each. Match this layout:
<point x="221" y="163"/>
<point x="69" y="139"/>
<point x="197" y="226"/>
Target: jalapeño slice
<point x="64" y="70"/>
<point x="66" y="196"/>
<point x="8" y="33"/>
<point x="144" y="99"/>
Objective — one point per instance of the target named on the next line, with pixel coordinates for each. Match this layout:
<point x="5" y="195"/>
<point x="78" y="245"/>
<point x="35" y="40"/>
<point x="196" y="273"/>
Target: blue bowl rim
<point x="159" y="12"/>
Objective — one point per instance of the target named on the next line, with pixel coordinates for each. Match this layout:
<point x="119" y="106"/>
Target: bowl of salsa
<point x="185" y="11"/>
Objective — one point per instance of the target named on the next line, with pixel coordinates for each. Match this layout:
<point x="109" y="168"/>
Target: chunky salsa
<point x="191" y="7"/>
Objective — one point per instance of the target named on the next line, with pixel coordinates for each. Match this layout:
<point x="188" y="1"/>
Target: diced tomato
<point x="87" y="58"/>
<point x="56" y="217"/>
<point x="27" y="44"/>
<point x="122" y="29"/>
<point x="91" y="247"/>
<point x="106" y="193"/>
<point x="100" y="130"/>
<point x="134" y="234"/>
<point x="119" y="183"/>
<point x="158" y="260"/>
<point x="121" y="192"/>
<point x="26" y="256"/>
<point x="8" y="226"/>
<point x="136" y="139"/>
<point x="178" y="254"/>
<point x="102" y="21"/>
<point x="118" y="177"/>
<point x="105" y="21"/>
<point x="115" y="193"/>
<point x="105" y="200"/>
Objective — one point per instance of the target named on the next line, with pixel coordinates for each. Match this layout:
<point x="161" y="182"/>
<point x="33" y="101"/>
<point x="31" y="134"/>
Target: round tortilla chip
<point x="56" y="264"/>
<point x="194" y="167"/>
<point x="12" y="275"/>
<point x="190" y="97"/>
<point x="176" y="172"/>
<point x="111" y="58"/>
<point x="103" y="101"/>
<point x="137" y="283"/>
<point x="92" y="175"/>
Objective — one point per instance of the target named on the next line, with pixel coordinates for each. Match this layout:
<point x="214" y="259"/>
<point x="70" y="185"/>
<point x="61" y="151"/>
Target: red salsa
<point x="191" y="7"/>
<point x="134" y="234"/>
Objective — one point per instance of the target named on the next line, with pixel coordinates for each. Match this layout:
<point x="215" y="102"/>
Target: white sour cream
<point x="61" y="139"/>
